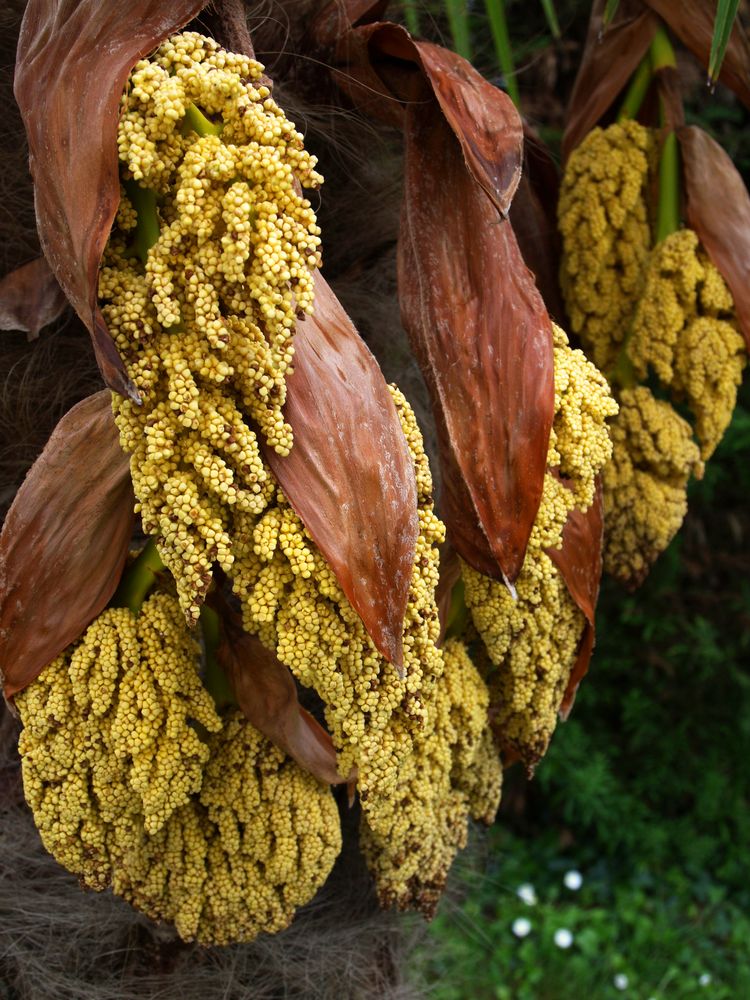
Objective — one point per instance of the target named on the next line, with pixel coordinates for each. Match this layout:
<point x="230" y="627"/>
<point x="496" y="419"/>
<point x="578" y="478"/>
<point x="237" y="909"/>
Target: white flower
<point x="573" y="880"/>
<point x="526" y="893"/>
<point x="705" y="979"/>
<point x="621" y="981"/>
<point x="521" y="927"/>
<point x="563" y="938"/>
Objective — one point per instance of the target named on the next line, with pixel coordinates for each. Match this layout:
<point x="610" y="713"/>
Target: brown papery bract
<point x="610" y="57"/>
<point x="64" y="541"/>
<point x="349" y="476"/>
<point x="718" y="209"/>
<point x="72" y="63"/>
<point x="267" y="695"/>
<point x="475" y="318"/>
<point x="382" y="68"/>
<point x="30" y="298"/>
<point x="482" y="336"/>
<point x="579" y="562"/>
<point x="482" y="117"/>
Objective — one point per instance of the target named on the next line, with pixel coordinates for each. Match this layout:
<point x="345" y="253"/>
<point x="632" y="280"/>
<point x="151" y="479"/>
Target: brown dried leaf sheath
<point x="72" y="64"/>
<point x="350" y="476"/>
<point x="64" y="541"/>
<point x="30" y="298"/>
<point x="482" y="117"/>
<point x="579" y="562"/>
<point x="381" y="67"/>
<point x="609" y="59"/>
<point x="267" y="695"/>
<point x="483" y="338"/>
<point x="718" y="209"/>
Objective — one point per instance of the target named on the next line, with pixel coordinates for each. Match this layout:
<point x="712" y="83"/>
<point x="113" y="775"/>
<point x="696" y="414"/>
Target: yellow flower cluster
<point x="645" y="483"/>
<point x="128" y="692"/>
<point x="684" y="330"/>
<point x="454" y="772"/>
<point x="665" y="312"/>
<point x="206" y="328"/>
<point x="579" y="445"/>
<point x="293" y="602"/>
<point x="606" y="238"/>
<point x="533" y="639"/>
<point x="258" y="843"/>
<point x="225" y="836"/>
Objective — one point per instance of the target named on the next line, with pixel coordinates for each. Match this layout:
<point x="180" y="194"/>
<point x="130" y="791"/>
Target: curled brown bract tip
<point x="579" y="562"/>
<point x="384" y="70"/>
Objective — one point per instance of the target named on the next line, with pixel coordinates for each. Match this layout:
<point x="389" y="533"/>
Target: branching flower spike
<point x="211" y="207"/>
<point x="136" y="782"/>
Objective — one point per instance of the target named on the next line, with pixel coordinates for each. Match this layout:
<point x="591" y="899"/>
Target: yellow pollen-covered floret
<point x="160" y="701"/>
<point x="532" y="640"/>
<point x="645" y="484"/>
<point x="206" y="327"/>
<point x="603" y="219"/>
<point x="221" y="833"/>
<point x="454" y="772"/>
<point x="257" y="843"/>
<point x="580" y="444"/>
<point x="684" y="331"/>
<point x="293" y="602"/>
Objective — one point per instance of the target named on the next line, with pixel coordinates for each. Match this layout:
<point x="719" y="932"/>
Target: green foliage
<point x="645" y="790"/>
<point x="664" y="932"/>
<point x="610" y="9"/>
<point x="726" y="12"/>
<point x="503" y="50"/>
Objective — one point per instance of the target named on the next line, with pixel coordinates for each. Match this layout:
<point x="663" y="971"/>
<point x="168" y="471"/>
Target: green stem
<point x="458" y="18"/>
<point x="411" y="16"/>
<point x="623" y="374"/>
<point x="138" y="580"/>
<point x="215" y="679"/>
<point x="147" y="230"/>
<point x="197" y="121"/>
<point x="503" y="48"/>
<point x="668" y="210"/>
<point x="662" y="51"/>
<point x="636" y="92"/>
<point x="458" y="612"/>
<point x="551" y="14"/>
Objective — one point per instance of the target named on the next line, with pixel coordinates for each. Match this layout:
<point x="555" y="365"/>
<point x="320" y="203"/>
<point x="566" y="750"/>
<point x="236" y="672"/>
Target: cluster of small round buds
<point x="291" y="597"/>
<point x="412" y="830"/>
<point x="532" y="639"/>
<point x="127" y="217"/>
<point x="603" y="218"/>
<point x="226" y="277"/>
<point x="108" y="646"/>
